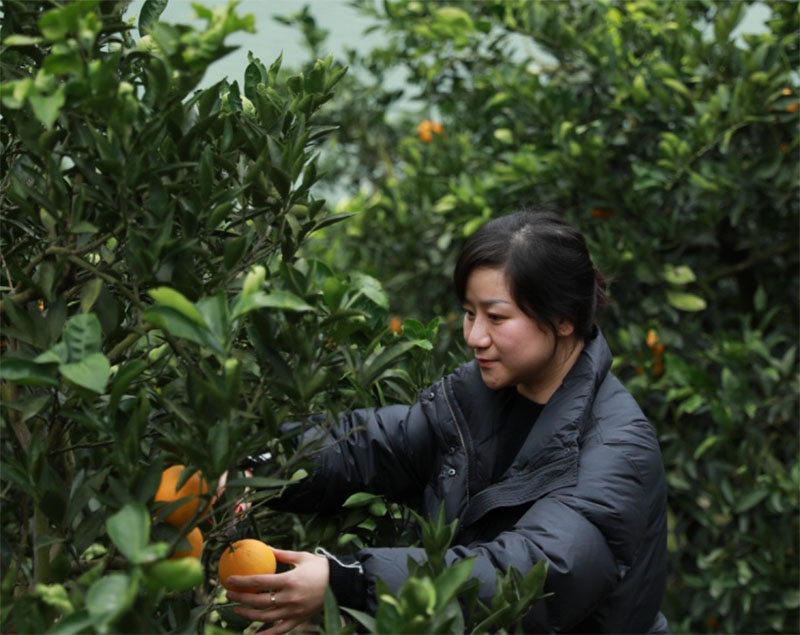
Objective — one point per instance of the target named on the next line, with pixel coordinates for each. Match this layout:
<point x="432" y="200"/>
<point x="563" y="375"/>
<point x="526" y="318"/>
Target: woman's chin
<point x="492" y="380"/>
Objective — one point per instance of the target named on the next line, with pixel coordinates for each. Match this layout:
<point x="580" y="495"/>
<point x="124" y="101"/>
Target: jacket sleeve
<point x="379" y="450"/>
<point x="574" y="528"/>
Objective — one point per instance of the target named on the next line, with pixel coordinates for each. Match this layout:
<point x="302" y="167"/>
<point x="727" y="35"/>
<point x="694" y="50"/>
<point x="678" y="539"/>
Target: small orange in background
<point x="786" y="92"/>
<point x="396" y="325"/>
<point x="652" y="338"/>
<point x="792" y="108"/>
<point x="426" y="128"/>
<point x="168" y="492"/>
<point x="246" y="557"/>
<point x="195" y="538"/>
<point x="601" y="213"/>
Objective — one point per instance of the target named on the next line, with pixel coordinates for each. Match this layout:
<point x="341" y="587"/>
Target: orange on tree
<point x="396" y="325"/>
<point x="195" y="538"/>
<point x="168" y="492"/>
<point x="426" y="128"/>
<point x="246" y="557"/>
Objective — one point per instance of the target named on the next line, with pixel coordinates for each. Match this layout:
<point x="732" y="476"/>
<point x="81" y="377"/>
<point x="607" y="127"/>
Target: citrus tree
<point x="161" y="317"/>
<point x="156" y="307"/>
<point x="670" y="137"/>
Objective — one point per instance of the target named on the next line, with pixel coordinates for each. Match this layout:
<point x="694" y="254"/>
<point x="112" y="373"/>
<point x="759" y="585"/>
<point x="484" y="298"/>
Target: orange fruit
<point x="246" y="557"/>
<point x="601" y="213"/>
<point x="195" y="538"/>
<point x="424" y="131"/>
<point x="168" y="492"/>
<point x="426" y="128"/>
<point x="396" y="325"/>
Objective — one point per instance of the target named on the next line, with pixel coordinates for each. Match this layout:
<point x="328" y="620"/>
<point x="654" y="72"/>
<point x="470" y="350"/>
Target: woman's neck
<point x="566" y="354"/>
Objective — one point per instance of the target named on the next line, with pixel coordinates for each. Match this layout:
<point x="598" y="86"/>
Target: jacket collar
<point x="549" y="457"/>
<point x="564" y="417"/>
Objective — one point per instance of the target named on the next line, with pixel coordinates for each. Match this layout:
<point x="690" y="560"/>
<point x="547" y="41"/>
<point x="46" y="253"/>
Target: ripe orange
<point x="246" y="557"/>
<point x="195" y="538"/>
<point x="167" y="493"/>
<point x="396" y="325"/>
<point x="426" y="128"/>
<point x="424" y="131"/>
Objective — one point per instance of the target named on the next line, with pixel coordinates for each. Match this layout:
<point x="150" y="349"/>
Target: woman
<point x="535" y="447"/>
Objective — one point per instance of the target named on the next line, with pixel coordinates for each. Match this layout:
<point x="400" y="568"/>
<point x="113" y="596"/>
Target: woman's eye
<point x="494" y="317"/>
<point x="469" y="314"/>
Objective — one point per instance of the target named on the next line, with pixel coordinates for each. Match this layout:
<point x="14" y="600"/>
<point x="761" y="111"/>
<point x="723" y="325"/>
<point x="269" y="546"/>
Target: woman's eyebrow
<point x="493" y="301"/>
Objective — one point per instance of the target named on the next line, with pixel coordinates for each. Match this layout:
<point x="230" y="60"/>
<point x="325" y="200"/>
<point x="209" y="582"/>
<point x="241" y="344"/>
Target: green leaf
<point x="331" y="616"/>
<point x="215" y="312"/>
<point x="791" y="599"/>
<point x="166" y="296"/>
<point x="109" y="597"/>
<point x="360" y="499"/>
<point x="279" y="299"/>
<point x="129" y="530"/>
<point x="91" y="372"/>
<point x="451" y="579"/>
<point x="503" y="135"/>
<point x="82" y="336"/>
<point x="455" y="18"/>
<point x="366" y="620"/>
<point x="151" y="11"/>
<point x="18" y="39"/>
<point x="47" y="107"/>
<point x="258" y="482"/>
<point x="57" y="23"/>
<point x="677" y="86"/>
<point x="686" y="301"/>
<point x="178" y="324"/>
<point x="54" y="595"/>
<point x="678" y="274"/>
<point x="706" y="445"/>
<point x="78" y="622"/>
<point x="89" y="294"/>
<point x="55" y="355"/>
<point x="371" y="288"/>
<point x="123" y="379"/>
<point x="377" y="363"/>
<point x="26" y="372"/>
<point x="219" y="441"/>
<point x="750" y="500"/>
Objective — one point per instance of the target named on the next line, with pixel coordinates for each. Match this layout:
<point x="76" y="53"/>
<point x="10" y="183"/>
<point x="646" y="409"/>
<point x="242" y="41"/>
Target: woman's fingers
<point x="288" y="557"/>
<point x="290" y="598"/>
<point x="279" y="628"/>
<point x="263" y="582"/>
<point x="281" y="621"/>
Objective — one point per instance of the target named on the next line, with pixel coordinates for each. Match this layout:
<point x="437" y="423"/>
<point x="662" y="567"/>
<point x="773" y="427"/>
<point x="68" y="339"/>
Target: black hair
<point x="548" y="268"/>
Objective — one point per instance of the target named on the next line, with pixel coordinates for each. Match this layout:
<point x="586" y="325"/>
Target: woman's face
<point x="512" y="348"/>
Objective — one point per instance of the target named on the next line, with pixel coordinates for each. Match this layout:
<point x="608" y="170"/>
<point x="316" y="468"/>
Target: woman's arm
<point x="384" y="450"/>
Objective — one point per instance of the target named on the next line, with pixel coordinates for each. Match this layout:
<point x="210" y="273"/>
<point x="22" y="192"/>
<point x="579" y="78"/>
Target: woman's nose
<point x="476" y="335"/>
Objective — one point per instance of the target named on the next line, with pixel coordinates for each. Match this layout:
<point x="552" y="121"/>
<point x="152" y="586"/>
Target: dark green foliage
<point x="671" y="140"/>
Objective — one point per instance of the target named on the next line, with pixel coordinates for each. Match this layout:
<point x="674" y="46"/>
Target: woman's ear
<point x="564" y="327"/>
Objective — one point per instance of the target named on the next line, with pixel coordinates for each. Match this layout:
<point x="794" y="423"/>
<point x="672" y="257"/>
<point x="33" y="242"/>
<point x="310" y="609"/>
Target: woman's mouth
<point x="485" y="363"/>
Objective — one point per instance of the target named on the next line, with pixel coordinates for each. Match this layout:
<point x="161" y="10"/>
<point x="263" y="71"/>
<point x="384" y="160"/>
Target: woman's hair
<point x="547" y="265"/>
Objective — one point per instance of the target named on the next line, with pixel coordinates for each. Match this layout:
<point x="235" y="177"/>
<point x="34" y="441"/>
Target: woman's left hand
<point x="290" y="598"/>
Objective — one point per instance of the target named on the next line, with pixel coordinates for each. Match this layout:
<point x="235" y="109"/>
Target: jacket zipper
<point x="458" y="429"/>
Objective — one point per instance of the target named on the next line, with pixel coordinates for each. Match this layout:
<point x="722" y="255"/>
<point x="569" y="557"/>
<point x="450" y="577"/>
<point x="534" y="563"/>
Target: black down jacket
<point x="586" y="492"/>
